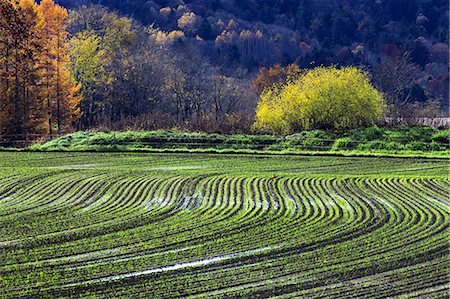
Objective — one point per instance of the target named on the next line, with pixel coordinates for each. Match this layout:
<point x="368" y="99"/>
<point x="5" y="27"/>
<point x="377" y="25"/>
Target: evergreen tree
<point x="205" y="30"/>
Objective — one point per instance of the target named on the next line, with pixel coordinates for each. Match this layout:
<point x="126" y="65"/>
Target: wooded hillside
<point x="203" y="64"/>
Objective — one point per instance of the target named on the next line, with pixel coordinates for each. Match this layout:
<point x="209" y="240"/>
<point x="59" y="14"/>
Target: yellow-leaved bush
<point x="321" y="98"/>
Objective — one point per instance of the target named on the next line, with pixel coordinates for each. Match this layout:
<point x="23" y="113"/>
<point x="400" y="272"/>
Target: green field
<point x="143" y="225"/>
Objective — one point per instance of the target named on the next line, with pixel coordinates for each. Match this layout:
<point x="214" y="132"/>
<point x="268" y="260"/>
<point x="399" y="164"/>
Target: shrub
<point x="417" y="146"/>
<point x="344" y="143"/>
<point x="441" y="137"/>
<point x="380" y="145"/>
<point x="435" y="146"/>
<point x="322" y="98"/>
<point x="405" y="135"/>
<point x="372" y="133"/>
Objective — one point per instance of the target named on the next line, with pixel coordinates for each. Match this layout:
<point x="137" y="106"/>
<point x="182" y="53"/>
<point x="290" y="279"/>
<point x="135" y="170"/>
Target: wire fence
<point x="435" y="122"/>
<point x="25" y="139"/>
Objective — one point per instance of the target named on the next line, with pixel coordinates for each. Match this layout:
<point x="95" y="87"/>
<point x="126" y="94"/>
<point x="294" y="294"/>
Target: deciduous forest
<point x="202" y="65"/>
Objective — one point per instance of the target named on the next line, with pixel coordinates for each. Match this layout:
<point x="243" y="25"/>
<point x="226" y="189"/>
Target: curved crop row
<point x="139" y="230"/>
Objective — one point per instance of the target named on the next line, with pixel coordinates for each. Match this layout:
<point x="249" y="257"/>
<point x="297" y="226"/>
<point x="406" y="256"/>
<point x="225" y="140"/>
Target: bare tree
<point x="395" y="76"/>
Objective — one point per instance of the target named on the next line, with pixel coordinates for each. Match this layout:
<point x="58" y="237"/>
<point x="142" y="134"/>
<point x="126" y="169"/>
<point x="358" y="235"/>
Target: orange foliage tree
<point x="36" y="88"/>
<point x="61" y="91"/>
<point x="267" y="77"/>
<point x="20" y="92"/>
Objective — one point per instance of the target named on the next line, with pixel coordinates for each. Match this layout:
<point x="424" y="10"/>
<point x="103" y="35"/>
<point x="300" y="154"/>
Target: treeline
<point x="256" y="33"/>
<point x="92" y="68"/>
<point x="403" y="44"/>
<point x="202" y="65"/>
<point x="130" y="80"/>
<point x="38" y="95"/>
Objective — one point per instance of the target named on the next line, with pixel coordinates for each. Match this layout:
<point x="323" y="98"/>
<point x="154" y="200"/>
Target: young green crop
<point x="222" y="226"/>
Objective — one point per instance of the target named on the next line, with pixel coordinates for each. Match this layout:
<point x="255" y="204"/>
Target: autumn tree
<point x="61" y="91"/>
<point x="20" y="92"/>
<point x="101" y="51"/>
<point x="267" y="77"/>
<point x="37" y="91"/>
<point x="189" y="22"/>
<point x="88" y="68"/>
<point x="322" y="98"/>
